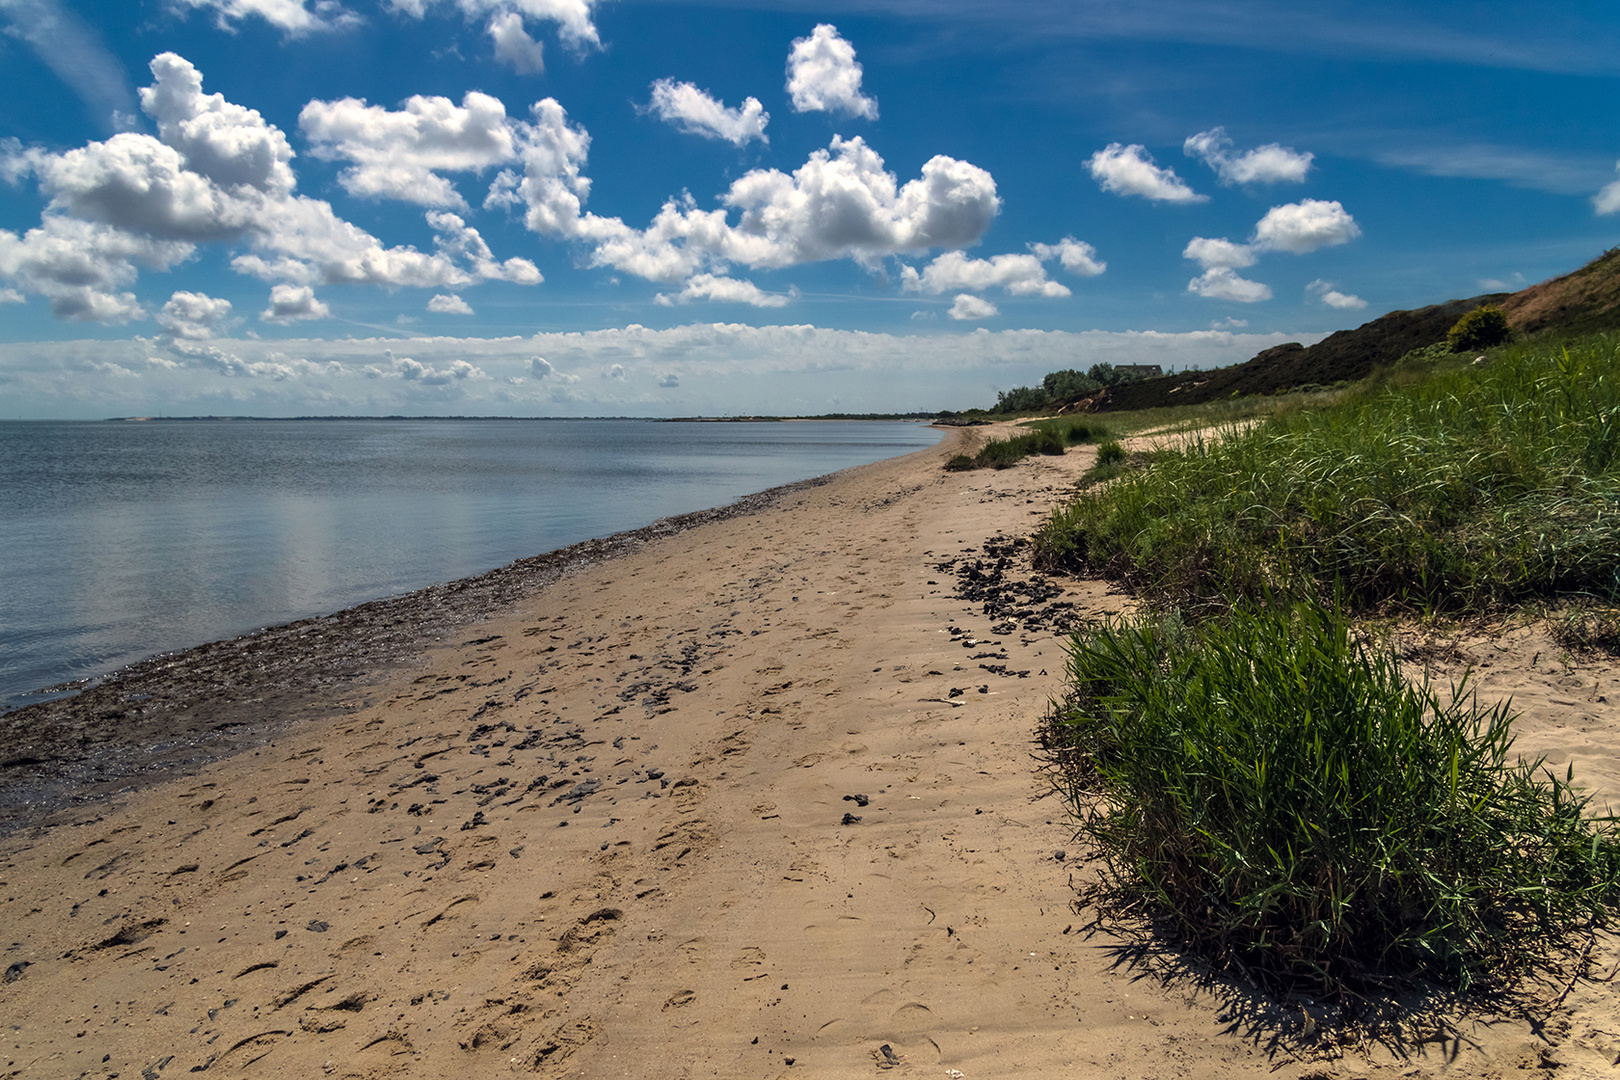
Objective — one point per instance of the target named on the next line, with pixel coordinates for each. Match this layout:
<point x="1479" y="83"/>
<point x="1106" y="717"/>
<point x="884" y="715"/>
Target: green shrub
<point x="1110" y="453"/>
<point x="1481" y="328"/>
<point x="1301" y="814"/>
<point x="960" y="463"/>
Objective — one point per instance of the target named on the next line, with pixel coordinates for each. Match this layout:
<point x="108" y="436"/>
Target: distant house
<point x="1140" y="371"/>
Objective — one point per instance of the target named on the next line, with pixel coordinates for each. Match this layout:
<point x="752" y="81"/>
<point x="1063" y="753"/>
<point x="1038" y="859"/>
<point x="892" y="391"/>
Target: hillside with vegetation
<point x="1584" y="301"/>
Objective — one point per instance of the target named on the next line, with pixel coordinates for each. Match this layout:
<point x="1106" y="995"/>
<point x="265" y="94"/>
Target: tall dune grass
<point x="1475" y="488"/>
<point x="1302" y="815"/>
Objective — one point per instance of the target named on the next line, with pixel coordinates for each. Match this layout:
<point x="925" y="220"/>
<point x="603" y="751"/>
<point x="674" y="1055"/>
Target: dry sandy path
<point x="605" y="834"/>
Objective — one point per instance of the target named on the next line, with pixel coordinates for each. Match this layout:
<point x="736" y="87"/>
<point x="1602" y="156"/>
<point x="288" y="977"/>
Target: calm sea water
<point x="122" y="540"/>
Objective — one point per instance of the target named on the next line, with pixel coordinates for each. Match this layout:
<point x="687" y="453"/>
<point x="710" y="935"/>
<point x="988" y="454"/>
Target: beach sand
<point x="757" y="797"/>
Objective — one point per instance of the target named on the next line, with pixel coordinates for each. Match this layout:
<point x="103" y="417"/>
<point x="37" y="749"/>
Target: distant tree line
<point x="1064" y="386"/>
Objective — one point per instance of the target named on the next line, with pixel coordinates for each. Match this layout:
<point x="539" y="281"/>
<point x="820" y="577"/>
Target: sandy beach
<point x="758" y="796"/>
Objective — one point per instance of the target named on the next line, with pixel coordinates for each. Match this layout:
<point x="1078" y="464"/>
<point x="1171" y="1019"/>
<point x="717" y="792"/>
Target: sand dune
<point x="755" y="799"/>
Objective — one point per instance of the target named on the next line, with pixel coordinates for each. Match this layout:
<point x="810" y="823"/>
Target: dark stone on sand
<point x="318" y="926"/>
<point x="851" y="819"/>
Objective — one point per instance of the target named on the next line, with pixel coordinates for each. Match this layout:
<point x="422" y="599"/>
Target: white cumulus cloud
<point x="1019" y="275"/>
<point x="670" y="381"/>
<point x="573" y="17"/>
<point x="1223" y="283"/>
<point x="967" y="307"/>
<point x="1607" y="201"/>
<point x="1269" y="164"/>
<point x="823" y="75"/>
<point x="85" y="268"/>
<point x="292" y="17"/>
<point x="842" y="203"/>
<point x="725" y="290"/>
<point x="218" y="173"/>
<point x="449" y="304"/>
<point x="1208" y="252"/>
<point x="1305" y="226"/>
<point x="294" y="303"/>
<point x="696" y="112"/>
<point x="1076" y="256"/>
<point x="401" y="154"/>
<point x="513" y="45"/>
<point x="1129" y="170"/>
<point x="1333" y="298"/>
<point x="193" y="316"/>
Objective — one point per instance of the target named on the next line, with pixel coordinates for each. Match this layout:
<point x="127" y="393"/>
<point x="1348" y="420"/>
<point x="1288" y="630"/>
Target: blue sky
<point x="654" y="207"/>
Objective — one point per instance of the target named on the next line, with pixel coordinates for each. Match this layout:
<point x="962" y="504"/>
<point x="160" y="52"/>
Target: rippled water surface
<point x="121" y="540"/>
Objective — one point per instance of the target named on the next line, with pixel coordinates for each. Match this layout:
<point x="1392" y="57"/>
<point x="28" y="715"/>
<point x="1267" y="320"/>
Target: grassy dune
<point x="1261" y="776"/>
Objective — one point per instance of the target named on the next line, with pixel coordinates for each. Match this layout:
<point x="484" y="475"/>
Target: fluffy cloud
<point x="513" y="45"/>
<point x="541" y="368"/>
<point x="193" y="316"/>
<point x="1076" y="256"/>
<point x="294" y="303"/>
<point x="1269" y="164"/>
<point x="695" y="112"/>
<point x="1607" y="201"/>
<point x="400" y="154"/>
<point x="967" y="307"/>
<point x="1209" y="252"/>
<point x="83" y="268"/>
<point x="726" y="290"/>
<point x="1019" y="275"/>
<point x="12" y="296"/>
<point x="573" y="17"/>
<point x="217" y="172"/>
<point x="293" y="17"/>
<point x="1223" y="283"/>
<point x="1305" y="226"/>
<point x="449" y="305"/>
<point x="461" y="244"/>
<point x="824" y="77"/>
<point x="1333" y="298"/>
<point x="670" y="381"/>
<point x="842" y="203"/>
<point x="1129" y="170"/>
<point x="415" y="371"/>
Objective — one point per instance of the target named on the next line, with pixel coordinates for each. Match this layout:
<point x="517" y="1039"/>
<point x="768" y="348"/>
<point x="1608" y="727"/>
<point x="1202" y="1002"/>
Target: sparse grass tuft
<point x="1274" y="789"/>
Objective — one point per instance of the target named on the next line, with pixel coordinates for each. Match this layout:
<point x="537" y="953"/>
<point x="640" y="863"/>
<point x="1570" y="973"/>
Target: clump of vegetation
<point x="1483" y="328"/>
<point x="1044" y="437"/>
<point x="1005" y="453"/>
<point x="1110" y="453"/>
<point x="1474" y="488"/>
<point x="1276" y="791"/>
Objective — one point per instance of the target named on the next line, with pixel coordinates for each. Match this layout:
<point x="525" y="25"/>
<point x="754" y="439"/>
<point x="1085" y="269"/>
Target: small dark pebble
<point x="280" y="934"/>
<point x="851" y="819"/>
<point x="858" y="800"/>
<point x="318" y="926"/>
<point x="1060" y="855"/>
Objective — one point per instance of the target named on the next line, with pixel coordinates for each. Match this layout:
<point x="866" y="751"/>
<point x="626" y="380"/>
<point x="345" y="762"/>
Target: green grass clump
<point x="960" y="463"/>
<point x="1299" y="813"/>
<point x="1005" y="453"/>
<point x="1110" y="453"/>
<point x="1472" y="488"/>
<point x="1072" y="432"/>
